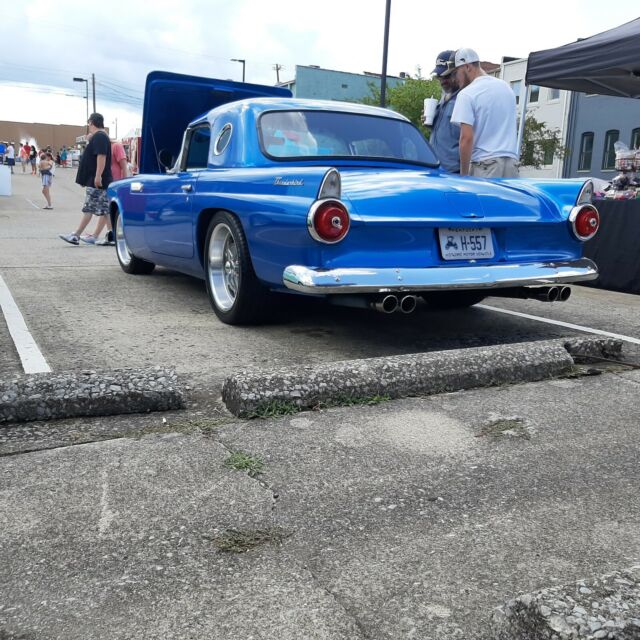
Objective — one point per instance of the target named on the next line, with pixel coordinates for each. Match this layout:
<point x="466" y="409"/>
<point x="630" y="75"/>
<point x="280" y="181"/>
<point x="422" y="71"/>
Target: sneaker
<point x="47" y="207"/>
<point x="71" y="238"/>
<point x="108" y="240"/>
<point x="89" y="238"/>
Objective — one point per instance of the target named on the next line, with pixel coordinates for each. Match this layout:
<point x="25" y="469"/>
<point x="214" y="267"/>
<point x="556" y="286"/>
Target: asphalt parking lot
<point x="406" y="519"/>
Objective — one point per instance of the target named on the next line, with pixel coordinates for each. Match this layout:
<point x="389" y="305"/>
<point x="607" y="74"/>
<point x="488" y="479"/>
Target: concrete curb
<point x="46" y="396"/>
<point x="248" y="393"/>
<point x="607" y="607"/>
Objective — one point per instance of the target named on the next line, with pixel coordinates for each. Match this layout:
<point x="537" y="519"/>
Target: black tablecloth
<point x="616" y="246"/>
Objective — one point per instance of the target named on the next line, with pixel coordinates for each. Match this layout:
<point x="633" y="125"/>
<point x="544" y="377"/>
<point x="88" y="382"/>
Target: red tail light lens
<point x="585" y="222"/>
<point x="328" y="221"/>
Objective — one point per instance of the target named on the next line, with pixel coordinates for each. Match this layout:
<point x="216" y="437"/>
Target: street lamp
<point x="86" y="96"/>
<point x="243" y="63"/>
<point x="383" y="80"/>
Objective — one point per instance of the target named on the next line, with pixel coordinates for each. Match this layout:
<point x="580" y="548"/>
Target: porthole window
<point x="223" y="139"/>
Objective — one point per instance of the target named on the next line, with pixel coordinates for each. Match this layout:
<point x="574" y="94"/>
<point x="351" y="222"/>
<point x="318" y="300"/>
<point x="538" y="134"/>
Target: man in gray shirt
<point x="445" y="135"/>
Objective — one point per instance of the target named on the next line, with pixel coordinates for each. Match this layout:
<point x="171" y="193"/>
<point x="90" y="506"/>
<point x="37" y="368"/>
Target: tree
<point x="540" y="144"/>
<point x="407" y="98"/>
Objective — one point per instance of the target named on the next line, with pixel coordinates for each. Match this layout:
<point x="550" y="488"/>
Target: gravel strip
<point x="250" y="392"/>
<point x="607" y="607"/>
<point x="47" y="396"/>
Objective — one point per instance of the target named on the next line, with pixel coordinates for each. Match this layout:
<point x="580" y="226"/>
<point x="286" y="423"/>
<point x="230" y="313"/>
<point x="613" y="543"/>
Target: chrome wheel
<point x="223" y="267"/>
<point x="121" y="244"/>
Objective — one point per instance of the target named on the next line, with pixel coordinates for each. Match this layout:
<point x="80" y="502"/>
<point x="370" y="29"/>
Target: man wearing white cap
<point x="486" y="112"/>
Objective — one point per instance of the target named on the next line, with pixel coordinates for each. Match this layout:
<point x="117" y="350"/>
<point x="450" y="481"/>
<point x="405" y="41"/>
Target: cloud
<point x="49" y="43"/>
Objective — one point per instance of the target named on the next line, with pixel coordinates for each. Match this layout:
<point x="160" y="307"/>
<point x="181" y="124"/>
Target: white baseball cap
<point x="461" y="57"/>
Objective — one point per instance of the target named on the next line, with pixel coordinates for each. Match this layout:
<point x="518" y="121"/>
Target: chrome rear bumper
<point x="495" y="276"/>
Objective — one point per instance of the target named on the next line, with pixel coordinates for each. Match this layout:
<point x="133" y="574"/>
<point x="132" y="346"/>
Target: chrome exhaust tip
<point x="564" y="293"/>
<point x="388" y="304"/>
<point x="408" y="304"/>
<point x="553" y="293"/>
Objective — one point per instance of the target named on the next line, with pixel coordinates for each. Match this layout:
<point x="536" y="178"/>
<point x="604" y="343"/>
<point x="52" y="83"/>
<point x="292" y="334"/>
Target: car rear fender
<point x="271" y="206"/>
<point x="562" y="195"/>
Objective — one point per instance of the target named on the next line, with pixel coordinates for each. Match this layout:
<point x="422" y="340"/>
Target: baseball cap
<point x="460" y="57"/>
<point x="442" y="62"/>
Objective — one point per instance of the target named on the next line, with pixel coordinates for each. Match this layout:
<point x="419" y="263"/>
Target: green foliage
<point x="352" y="401"/>
<point x="241" y="461"/>
<point x="540" y="144"/>
<point x="275" y="408"/>
<point x="407" y="98"/>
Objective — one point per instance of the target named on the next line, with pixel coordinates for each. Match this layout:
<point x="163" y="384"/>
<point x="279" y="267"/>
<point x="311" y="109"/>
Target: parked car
<point x="263" y="193"/>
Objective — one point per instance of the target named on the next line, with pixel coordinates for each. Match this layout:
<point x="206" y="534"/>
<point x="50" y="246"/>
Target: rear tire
<point x="235" y="293"/>
<point x="453" y="299"/>
<point x="128" y="262"/>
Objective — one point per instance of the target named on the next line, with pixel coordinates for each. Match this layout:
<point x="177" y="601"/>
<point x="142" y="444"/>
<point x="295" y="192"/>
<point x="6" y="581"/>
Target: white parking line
<point x="578" y="327"/>
<point x="33" y="204"/>
<point x="32" y="359"/>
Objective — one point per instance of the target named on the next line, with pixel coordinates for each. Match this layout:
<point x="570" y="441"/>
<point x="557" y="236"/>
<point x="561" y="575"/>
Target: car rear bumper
<point x="495" y="276"/>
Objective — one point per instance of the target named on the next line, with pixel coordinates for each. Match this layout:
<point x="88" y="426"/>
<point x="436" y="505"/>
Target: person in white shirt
<point x="486" y="112"/>
<point x="11" y="156"/>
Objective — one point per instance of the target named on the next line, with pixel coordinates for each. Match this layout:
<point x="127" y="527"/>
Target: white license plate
<point x="466" y="244"/>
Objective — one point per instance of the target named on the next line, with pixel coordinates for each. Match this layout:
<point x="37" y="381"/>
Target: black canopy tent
<point x="607" y="63"/>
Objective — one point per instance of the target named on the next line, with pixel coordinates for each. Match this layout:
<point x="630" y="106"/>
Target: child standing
<point x="46" y="172"/>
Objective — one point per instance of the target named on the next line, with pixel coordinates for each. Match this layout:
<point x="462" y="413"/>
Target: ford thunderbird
<point x="259" y="194"/>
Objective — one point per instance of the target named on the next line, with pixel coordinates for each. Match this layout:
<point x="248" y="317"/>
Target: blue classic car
<point x="259" y="193"/>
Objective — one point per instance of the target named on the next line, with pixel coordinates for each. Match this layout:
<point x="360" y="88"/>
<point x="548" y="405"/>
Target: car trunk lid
<point x="409" y="197"/>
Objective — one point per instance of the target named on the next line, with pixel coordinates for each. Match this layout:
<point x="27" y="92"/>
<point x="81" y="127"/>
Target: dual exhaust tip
<point x="391" y="303"/>
<point x="550" y="294"/>
<point x="407" y="304"/>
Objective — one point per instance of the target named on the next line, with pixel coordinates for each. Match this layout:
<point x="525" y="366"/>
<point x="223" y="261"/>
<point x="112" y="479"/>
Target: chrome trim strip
<point x="387" y="280"/>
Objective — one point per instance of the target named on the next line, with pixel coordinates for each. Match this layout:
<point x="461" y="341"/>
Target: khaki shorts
<point x="501" y="167"/>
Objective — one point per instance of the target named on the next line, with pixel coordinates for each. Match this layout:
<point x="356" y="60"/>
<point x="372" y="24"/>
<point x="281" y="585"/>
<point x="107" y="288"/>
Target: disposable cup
<point x="429" y="112"/>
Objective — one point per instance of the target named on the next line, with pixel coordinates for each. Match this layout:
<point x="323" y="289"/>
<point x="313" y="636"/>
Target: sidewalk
<point x="408" y="519"/>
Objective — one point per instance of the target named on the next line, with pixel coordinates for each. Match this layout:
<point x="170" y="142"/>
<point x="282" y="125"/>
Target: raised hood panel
<point x="173" y="100"/>
<point x="406" y="197"/>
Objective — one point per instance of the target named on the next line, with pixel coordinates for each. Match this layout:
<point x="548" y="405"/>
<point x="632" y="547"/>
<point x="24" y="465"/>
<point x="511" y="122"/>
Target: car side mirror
<point x="165" y="158"/>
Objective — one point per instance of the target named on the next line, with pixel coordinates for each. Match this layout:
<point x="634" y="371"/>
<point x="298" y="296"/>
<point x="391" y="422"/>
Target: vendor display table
<point x="616" y="246"/>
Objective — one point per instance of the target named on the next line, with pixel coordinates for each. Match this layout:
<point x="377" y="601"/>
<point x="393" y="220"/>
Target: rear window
<point x="288" y="135"/>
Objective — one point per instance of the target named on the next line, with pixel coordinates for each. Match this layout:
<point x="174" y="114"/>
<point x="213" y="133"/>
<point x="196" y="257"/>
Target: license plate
<point x="466" y="244"/>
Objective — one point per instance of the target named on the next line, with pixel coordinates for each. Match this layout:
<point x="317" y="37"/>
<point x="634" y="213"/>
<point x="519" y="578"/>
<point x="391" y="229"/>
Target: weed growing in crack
<point x="514" y="428"/>
<point x="275" y="408"/>
<point x="352" y="401"/>
<point x="241" y="461"/>
<point x="235" y="541"/>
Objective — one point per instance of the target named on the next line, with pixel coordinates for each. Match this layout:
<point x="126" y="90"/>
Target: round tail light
<point x="328" y="221"/>
<point x="585" y="222"/>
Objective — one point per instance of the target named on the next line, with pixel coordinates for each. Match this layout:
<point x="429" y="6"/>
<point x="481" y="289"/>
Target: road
<point x="408" y="519"/>
<point x="84" y="312"/>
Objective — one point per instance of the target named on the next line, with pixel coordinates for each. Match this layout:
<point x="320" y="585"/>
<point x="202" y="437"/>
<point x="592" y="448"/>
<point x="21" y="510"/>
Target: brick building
<point x="44" y="135"/>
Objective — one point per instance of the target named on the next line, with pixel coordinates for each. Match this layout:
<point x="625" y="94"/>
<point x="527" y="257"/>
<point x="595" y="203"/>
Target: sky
<point x="46" y="44"/>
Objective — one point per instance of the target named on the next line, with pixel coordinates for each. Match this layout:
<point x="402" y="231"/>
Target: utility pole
<point x="277" y="68"/>
<point x="93" y="81"/>
<point x="383" y="82"/>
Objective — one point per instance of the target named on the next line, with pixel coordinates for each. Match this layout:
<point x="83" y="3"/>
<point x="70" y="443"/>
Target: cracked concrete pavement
<point x="409" y="519"/>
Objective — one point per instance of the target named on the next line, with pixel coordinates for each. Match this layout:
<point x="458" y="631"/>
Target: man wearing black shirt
<point x="94" y="173"/>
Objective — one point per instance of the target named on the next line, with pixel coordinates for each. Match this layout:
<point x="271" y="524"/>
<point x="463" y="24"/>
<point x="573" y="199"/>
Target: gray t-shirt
<point x="489" y="105"/>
